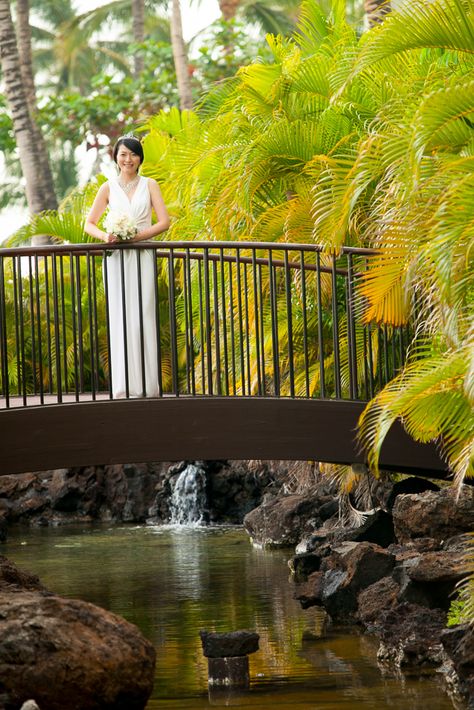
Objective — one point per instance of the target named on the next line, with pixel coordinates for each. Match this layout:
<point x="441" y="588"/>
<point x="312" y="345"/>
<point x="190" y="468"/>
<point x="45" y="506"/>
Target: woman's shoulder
<point x="104" y="188"/>
<point x="153" y="186"/>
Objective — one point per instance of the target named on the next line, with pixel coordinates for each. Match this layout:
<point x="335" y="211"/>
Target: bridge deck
<point x="171" y="428"/>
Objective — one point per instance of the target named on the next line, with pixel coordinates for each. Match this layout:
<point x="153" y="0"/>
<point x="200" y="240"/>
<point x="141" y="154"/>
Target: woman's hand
<point x="111" y="238"/>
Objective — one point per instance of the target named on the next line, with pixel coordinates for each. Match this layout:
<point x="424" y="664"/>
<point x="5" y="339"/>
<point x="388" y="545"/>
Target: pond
<point x="174" y="581"/>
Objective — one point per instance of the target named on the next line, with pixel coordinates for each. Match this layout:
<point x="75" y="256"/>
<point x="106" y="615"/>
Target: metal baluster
<point x="16" y="300"/>
<point x="201" y="330"/>
<point x="262" y="329"/>
<point x="215" y="287"/>
<point x="274" y="317"/>
<point x="379" y="357"/>
<point x="172" y="312"/>
<point x="351" y="331"/>
<point x="371" y="362"/>
<point x="22" y="334"/>
<point x="79" y="324"/>
<point x="105" y="273"/>
<point x="208" y="322"/>
<point x="96" y="323"/>
<point x="91" y="324"/>
<point x="124" y="322"/>
<point x="394" y="352"/>
<point x="247" y="331"/>
<point x="232" y="327"/>
<point x="3" y="336"/>
<point x="241" y="324"/>
<point x="63" y="321"/>
<point x="385" y="353"/>
<point x="48" y="324"/>
<point x="335" y="331"/>
<point x="224" y="322"/>
<point x="74" y="324"/>
<point x="32" y="325"/>
<point x="40" y="342"/>
<point x="187" y="320"/>
<point x="191" y="323"/>
<point x="322" y="381"/>
<point x="140" y="319"/>
<point x="289" y="320"/>
<point x="257" y="322"/>
<point x="57" y="337"/>
<point x="305" y="322"/>
<point x="158" y="324"/>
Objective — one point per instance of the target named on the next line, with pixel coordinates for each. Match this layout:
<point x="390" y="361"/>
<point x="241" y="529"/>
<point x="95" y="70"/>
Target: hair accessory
<point x="130" y="135"/>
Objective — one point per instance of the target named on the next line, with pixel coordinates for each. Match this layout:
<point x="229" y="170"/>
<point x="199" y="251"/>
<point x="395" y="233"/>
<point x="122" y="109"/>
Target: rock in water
<point x="67" y="653"/>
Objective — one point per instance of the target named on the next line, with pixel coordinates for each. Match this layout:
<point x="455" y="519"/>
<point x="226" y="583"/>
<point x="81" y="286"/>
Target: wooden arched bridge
<point x="260" y="354"/>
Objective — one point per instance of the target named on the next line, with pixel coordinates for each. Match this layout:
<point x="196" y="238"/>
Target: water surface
<point x="172" y="582"/>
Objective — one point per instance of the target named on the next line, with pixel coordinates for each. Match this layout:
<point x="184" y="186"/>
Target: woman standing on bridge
<point x="130" y="199"/>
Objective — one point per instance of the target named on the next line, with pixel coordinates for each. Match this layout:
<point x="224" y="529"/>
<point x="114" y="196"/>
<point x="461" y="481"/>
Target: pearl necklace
<point x="128" y="186"/>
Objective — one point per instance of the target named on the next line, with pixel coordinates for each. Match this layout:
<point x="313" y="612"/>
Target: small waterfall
<point x="188" y="503"/>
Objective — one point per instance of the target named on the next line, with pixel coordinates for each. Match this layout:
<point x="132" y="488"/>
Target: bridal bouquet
<point x="120" y="224"/>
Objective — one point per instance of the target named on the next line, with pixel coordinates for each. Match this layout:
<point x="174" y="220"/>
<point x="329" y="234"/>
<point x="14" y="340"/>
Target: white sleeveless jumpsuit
<point x="126" y="356"/>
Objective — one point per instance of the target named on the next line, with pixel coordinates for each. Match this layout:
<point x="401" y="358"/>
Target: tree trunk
<point x="180" y="58"/>
<point x="138" y="21"/>
<point x="229" y="8"/>
<point x="28" y="148"/>
<point x="376" y="10"/>
<point x="26" y="68"/>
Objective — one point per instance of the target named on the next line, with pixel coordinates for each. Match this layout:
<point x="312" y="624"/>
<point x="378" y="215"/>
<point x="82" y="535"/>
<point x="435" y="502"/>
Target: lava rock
<point x="230" y="644"/>
<point x="411" y="637"/>
<point x="458" y="642"/>
<point x="67" y="653"/>
<point x="435" y="514"/>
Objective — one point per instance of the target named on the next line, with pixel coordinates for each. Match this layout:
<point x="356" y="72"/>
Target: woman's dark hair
<point x="132" y="144"/>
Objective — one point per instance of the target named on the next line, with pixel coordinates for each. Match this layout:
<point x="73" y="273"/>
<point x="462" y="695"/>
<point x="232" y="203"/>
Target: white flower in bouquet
<point x="120" y="224"/>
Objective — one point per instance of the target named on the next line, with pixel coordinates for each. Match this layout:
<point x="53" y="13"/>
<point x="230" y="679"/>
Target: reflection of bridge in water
<point x="261" y="353"/>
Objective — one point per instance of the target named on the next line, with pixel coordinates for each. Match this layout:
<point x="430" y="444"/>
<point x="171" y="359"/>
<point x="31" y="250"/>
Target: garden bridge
<point x="260" y="355"/>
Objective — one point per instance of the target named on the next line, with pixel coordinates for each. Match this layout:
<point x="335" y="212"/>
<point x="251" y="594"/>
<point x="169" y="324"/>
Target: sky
<point x="195" y="18"/>
<point x="195" y="15"/>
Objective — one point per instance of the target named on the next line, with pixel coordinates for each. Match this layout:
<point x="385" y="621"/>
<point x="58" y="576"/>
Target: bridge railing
<point x="232" y="319"/>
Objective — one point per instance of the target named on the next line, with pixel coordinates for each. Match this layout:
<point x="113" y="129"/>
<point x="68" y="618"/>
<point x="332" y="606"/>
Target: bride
<point x="135" y="344"/>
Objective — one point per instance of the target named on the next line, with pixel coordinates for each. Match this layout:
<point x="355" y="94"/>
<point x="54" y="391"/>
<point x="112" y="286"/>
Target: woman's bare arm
<point x="97" y="210"/>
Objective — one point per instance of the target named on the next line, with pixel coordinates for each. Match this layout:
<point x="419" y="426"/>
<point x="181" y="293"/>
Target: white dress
<point x="126" y="356"/>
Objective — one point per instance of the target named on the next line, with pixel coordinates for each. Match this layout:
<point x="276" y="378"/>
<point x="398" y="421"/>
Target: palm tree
<point x="180" y="57"/>
<point x="375" y="11"/>
<point x="277" y="16"/>
<point x="37" y="192"/>
<point x="66" y="46"/>
<point x="26" y="66"/>
<point x="138" y="24"/>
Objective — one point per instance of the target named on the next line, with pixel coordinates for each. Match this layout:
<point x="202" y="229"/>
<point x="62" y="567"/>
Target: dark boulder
<point x="302" y="566"/>
<point x="458" y="643"/>
<point x="410" y="637"/>
<point x="351" y="568"/>
<point x="372" y="601"/>
<point x="66" y="653"/>
<point x="282" y="521"/>
<point x="310" y="592"/>
<point x="434" y="514"/>
<point x="229" y="644"/>
<point x="409" y="486"/>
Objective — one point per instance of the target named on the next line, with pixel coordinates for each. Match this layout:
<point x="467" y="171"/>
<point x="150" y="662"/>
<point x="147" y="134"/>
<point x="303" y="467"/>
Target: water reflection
<point x="172" y="582"/>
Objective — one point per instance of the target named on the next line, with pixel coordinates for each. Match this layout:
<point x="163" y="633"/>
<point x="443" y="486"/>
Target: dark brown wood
<point x="167" y="429"/>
